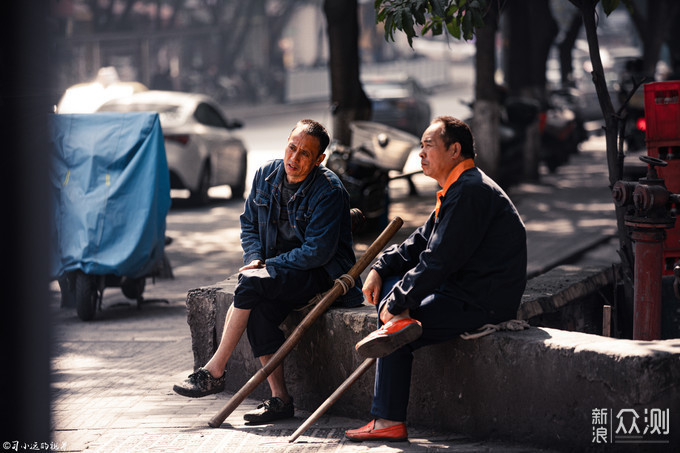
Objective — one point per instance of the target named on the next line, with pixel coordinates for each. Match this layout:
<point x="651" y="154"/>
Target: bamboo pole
<point x="365" y="366"/>
<point x="294" y="338"/>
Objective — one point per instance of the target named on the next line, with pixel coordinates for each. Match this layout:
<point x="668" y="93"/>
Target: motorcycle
<point x="364" y="168"/>
<point x="562" y="128"/>
<point x="631" y="96"/>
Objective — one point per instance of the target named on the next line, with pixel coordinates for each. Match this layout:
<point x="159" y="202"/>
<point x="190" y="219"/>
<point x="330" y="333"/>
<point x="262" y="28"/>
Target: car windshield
<point x="168" y="114"/>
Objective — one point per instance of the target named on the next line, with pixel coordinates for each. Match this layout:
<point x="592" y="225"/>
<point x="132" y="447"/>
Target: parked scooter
<point x="562" y="129"/>
<point x="364" y="168"/>
<point x="635" y="126"/>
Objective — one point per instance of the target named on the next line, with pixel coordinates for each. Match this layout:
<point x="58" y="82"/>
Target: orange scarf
<point x="453" y="177"/>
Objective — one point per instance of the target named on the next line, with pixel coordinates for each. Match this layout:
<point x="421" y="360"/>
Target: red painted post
<point x="648" y="269"/>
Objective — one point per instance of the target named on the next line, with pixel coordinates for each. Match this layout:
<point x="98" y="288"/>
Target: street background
<point x="112" y="378"/>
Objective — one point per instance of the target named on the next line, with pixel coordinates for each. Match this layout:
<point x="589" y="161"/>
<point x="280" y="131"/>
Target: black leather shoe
<point x="269" y="411"/>
<point x="200" y="383"/>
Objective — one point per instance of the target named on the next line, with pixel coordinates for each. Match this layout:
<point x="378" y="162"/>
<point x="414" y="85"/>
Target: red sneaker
<point x="389" y="338"/>
<point x="394" y="433"/>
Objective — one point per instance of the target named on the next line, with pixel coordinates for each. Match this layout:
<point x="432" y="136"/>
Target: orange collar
<point x="453" y="177"/>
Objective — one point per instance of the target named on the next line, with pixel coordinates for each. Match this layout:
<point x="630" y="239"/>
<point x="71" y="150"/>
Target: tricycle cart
<point x="110" y="198"/>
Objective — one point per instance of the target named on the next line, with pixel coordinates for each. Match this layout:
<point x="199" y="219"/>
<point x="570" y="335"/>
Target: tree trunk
<point x="614" y="156"/>
<point x="565" y="47"/>
<point x="673" y="43"/>
<point x="653" y="27"/>
<point x="486" y="110"/>
<point x="531" y="32"/>
<point x="348" y="100"/>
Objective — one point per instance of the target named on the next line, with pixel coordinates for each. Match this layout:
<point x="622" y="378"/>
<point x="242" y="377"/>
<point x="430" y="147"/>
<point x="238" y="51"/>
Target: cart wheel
<point x="86" y="296"/>
<point x="132" y="287"/>
<point x="67" y="289"/>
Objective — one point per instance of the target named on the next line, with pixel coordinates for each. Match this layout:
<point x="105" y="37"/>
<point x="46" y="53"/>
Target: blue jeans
<point x="271" y="298"/>
<point x="443" y="319"/>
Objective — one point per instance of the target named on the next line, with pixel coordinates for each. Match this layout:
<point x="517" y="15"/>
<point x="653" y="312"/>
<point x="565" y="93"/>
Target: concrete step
<point x="538" y="386"/>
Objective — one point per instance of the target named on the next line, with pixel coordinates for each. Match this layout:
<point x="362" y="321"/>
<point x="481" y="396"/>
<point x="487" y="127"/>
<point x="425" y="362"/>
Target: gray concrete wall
<point x="539" y="385"/>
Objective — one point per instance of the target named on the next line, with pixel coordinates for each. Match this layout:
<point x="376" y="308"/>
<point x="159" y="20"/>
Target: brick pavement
<point x="112" y="392"/>
<point x="112" y="378"/>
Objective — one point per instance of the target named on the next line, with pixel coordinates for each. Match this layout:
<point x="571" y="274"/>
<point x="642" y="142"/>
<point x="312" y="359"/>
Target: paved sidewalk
<point x="112" y="378"/>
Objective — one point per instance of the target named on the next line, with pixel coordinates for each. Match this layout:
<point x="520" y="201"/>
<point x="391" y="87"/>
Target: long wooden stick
<point x="365" y="366"/>
<point x="294" y="338"/>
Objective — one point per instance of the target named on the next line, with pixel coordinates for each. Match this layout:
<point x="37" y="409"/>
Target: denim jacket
<point x="319" y="214"/>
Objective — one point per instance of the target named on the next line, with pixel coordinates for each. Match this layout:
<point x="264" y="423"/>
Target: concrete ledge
<point x="561" y="286"/>
<point x="538" y="386"/>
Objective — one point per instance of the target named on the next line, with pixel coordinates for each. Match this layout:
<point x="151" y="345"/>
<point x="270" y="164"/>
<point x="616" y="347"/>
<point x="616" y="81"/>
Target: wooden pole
<point x="328" y="298"/>
<point x="606" y="321"/>
<point x="365" y="366"/>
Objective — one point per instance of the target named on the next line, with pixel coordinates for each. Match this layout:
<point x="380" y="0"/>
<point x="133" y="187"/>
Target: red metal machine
<point x="655" y="200"/>
<point x="662" y="115"/>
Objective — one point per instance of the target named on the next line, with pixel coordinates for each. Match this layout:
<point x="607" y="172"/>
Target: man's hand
<point x="372" y="287"/>
<point x="254" y="264"/>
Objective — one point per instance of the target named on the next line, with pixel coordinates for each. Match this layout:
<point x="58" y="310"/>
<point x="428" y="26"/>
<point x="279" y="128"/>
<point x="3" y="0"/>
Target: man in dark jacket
<point x="296" y="238"/>
<point x="465" y="267"/>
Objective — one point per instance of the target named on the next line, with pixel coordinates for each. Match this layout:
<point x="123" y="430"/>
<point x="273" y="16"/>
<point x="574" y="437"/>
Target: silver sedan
<point x="201" y="149"/>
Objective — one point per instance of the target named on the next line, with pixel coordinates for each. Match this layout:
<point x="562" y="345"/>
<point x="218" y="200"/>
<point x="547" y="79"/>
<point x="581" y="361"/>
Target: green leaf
<point x="397" y="19"/>
<point x="609" y="6"/>
<point x="467" y="27"/>
<point x="438" y="8"/>
<point x="407" y="23"/>
<point x="437" y="29"/>
<point x="389" y="27"/>
<point x="419" y="14"/>
<point x="453" y="27"/>
<point x="451" y="10"/>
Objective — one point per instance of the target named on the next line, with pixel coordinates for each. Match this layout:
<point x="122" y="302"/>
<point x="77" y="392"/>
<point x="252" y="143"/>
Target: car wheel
<point x="200" y="195"/>
<point x="133" y="288"/>
<point x="238" y="189"/>
<point x="85" y="295"/>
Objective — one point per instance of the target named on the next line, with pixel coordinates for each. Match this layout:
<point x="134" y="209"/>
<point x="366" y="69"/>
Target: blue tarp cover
<point x="111" y="193"/>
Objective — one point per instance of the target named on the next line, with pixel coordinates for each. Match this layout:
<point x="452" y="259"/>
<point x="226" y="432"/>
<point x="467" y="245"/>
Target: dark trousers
<point x="270" y="298"/>
<point x="443" y="318"/>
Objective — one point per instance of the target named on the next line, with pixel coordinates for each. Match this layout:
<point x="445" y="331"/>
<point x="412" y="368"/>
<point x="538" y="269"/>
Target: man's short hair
<point x="315" y="129"/>
<point x="455" y="130"/>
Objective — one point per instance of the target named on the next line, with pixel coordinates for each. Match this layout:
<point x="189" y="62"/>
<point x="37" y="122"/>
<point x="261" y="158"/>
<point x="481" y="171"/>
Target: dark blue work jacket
<point x="319" y="214"/>
<point x="475" y="252"/>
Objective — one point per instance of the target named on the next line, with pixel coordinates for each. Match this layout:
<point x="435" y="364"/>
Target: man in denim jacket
<point x="296" y="238"/>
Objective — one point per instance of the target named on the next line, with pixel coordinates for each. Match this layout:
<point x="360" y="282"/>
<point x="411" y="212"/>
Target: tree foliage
<point x="459" y="18"/>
